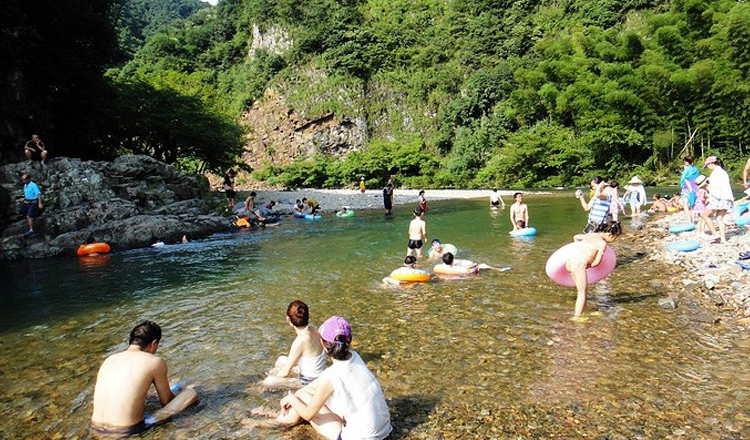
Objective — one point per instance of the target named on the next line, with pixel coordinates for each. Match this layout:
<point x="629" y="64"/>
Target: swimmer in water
<point x="306" y="359"/>
<point x="519" y="211"/>
<point x="417" y="234"/>
<point x="496" y="200"/>
<point x="409" y="262"/>
<point x="450" y="260"/>
<point x="659" y="205"/>
<point x="123" y="382"/>
<point x="439" y="249"/>
<point x="589" y="253"/>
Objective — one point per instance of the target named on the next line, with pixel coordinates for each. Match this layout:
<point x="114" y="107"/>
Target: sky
<point x="213" y="2"/>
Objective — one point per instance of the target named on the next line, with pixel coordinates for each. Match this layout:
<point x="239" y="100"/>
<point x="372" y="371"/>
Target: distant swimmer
<point x="306" y="359"/>
<point x="417" y="234"/>
<point x="589" y="253"/>
<point x="519" y="211"/>
<point x="410" y="265"/>
<point x="439" y="249"/>
<point x="123" y="383"/>
<point x="496" y="200"/>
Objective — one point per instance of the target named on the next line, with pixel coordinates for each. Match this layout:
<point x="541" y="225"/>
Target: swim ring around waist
<point x="347" y="214"/>
<point x="525" y="232"/>
<point x="684" y="246"/>
<point x="557" y="272"/>
<point x="299" y="214"/>
<point x="684" y="227"/>
<point x="459" y="268"/>
<point x="93" y="248"/>
<point x="312" y="217"/>
<point x="411" y="275"/>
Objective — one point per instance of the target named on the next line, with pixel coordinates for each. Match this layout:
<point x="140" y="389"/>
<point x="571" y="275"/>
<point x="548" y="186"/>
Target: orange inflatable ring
<point x="93" y="248"/>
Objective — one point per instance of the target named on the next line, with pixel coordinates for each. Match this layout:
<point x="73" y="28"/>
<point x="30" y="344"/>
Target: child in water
<point x="306" y="354"/>
<point x="345" y="402"/>
<point x="589" y="253"/>
<point x="409" y="262"/>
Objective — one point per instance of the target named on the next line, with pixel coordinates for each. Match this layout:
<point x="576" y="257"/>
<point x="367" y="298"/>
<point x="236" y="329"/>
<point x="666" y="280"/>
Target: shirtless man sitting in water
<point x="659" y="205"/>
<point x="123" y="383"/>
<point x="417" y="234"/>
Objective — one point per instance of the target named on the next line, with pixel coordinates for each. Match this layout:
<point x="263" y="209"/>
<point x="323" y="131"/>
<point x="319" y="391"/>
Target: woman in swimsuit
<point x="589" y="253"/>
<point x="306" y="359"/>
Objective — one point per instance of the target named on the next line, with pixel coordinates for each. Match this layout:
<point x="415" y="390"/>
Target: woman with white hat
<point x="720" y="197"/>
<point x="636" y="194"/>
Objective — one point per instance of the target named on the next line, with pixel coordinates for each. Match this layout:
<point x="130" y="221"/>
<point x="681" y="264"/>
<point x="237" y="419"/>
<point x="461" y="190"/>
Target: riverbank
<point x="708" y="274"/>
<point x="331" y="200"/>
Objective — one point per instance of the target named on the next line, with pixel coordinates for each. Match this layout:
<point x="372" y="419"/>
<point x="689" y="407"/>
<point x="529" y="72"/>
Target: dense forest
<point x="456" y="92"/>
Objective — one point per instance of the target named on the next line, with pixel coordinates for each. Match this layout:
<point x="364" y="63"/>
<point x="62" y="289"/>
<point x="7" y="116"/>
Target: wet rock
<point x="710" y="281"/>
<point x="667" y="303"/>
<point x="706" y="318"/>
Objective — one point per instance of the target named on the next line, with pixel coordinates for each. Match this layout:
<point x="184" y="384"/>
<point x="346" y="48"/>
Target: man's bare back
<point x="417" y="230"/>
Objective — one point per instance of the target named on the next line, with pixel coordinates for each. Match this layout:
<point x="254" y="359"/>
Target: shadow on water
<point x="408" y="412"/>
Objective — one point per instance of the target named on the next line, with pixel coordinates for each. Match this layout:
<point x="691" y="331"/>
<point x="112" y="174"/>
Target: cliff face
<point x="128" y="203"/>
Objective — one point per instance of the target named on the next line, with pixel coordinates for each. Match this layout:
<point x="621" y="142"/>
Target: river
<point x="490" y="356"/>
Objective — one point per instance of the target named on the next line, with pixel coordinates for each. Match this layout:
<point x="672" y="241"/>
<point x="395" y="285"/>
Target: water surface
<point x="488" y="356"/>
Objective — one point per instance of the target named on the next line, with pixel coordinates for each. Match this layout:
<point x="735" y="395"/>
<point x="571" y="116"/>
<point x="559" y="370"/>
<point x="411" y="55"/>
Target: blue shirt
<point x="599" y="210"/>
<point x="31" y="191"/>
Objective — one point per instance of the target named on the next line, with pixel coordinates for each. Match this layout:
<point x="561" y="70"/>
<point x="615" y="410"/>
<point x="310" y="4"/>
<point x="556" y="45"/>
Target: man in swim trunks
<point x="519" y="211"/>
<point x="496" y="200"/>
<point x="124" y="380"/>
<point x="417" y="234"/>
<point x="388" y="197"/>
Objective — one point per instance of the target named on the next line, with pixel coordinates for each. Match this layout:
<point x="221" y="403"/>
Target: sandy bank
<point x="332" y="200"/>
<point x="708" y="273"/>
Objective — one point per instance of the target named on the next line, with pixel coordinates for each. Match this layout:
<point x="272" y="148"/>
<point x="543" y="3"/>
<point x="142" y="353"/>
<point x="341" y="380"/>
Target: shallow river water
<point x="491" y="356"/>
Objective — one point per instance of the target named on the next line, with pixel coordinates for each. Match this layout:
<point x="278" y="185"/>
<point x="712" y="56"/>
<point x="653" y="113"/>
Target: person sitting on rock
<point x="32" y="203"/>
<point x="250" y="203"/>
<point x="123" y="382"/>
<point x="35" y="150"/>
<point x="265" y="214"/>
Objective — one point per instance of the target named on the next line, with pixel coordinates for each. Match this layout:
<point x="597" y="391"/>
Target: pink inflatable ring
<point x="556" y="266"/>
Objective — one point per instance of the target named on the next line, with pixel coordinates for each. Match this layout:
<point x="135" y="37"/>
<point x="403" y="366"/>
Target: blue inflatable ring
<point x="299" y="214"/>
<point x="743" y="220"/>
<point x="312" y="217"/>
<point x="525" y="232"/>
<point x="740" y="209"/>
<point x="684" y="227"/>
<point x="684" y="246"/>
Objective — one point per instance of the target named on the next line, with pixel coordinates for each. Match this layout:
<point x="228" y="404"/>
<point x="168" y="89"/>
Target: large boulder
<point x="127" y="203"/>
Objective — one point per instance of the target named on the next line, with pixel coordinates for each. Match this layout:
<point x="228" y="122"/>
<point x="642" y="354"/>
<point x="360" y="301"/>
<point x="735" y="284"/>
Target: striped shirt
<point x="600" y="210"/>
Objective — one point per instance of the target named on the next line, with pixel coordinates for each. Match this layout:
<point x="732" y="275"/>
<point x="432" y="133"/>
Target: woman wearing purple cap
<point x="345" y="402"/>
<point x="720" y="197"/>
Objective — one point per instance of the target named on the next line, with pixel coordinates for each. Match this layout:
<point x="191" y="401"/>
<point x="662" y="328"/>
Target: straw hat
<point x="701" y="180"/>
<point x="635" y="181"/>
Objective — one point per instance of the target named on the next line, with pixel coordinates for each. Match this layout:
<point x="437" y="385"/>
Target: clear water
<point x="488" y="356"/>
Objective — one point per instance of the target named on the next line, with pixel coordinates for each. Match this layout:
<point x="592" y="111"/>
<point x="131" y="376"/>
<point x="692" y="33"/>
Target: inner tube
<point x="557" y="272"/>
<point x="684" y="246"/>
<point x="93" y="248"/>
<point x="459" y="268"/>
<point x="447" y="248"/>
<point x="312" y="217"/>
<point x="299" y="214"/>
<point x="525" y="232"/>
<point x="743" y="220"/>
<point x="740" y="209"/>
<point x="411" y="275"/>
<point x="347" y="214"/>
<point x="242" y="222"/>
<point x="672" y="209"/>
<point x="684" y="227"/>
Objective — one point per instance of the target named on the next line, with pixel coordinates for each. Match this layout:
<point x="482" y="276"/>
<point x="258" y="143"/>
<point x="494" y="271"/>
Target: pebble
<point x="667" y="303"/>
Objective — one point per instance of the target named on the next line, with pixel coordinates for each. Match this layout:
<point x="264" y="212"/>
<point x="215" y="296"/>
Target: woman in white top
<point x="306" y="357"/>
<point x="635" y="194"/>
<point x="720" y="197"/>
<point x="345" y="402"/>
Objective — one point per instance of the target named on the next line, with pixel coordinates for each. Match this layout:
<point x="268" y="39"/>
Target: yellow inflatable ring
<point x="410" y="275"/>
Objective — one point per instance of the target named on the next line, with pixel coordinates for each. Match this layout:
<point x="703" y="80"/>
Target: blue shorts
<point x="29" y="209"/>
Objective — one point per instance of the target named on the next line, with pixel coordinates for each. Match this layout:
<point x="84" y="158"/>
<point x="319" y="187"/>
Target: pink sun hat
<point x="335" y="326"/>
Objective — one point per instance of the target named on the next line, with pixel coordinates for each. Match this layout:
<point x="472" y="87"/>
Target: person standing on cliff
<point x="388" y="197"/>
<point x="32" y="203"/>
<point x="228" y="187"/>
<point x="34" y="149"/>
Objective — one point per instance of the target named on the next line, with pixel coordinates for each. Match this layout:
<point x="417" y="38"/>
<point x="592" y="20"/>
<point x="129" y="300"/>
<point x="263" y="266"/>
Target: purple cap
<point x="335" y="326"/>
<point x="710" y="160"/>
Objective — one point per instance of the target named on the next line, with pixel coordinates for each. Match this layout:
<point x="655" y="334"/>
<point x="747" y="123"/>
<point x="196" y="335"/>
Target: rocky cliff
<point x="128" y="203"/>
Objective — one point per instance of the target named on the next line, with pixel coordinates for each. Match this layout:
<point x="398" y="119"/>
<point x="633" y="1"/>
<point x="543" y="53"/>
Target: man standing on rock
<point x="35" y="149"/>
<point x="32" y="203"/>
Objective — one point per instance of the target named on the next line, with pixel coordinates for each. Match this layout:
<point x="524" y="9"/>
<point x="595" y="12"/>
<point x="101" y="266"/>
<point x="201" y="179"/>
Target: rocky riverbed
<point x="128" y="203"/>
<point x="708" y="274"/>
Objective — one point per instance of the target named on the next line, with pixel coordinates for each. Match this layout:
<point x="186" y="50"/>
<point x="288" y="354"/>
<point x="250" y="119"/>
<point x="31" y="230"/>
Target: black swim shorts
<point x="415" y="244"/>
<point x="231" y="194"/>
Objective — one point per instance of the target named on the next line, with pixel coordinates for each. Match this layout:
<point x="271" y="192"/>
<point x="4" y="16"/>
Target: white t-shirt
<point x="358" y="399"/>
<point x="719" y="185"/>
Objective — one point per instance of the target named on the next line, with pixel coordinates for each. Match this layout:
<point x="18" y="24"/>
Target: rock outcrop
<point x="127" y="203"/>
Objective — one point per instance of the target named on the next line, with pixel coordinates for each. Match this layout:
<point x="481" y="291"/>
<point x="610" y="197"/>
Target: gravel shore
<point x="332" y="200"/>
<point x="709" y="273"/>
